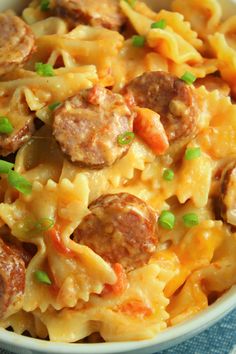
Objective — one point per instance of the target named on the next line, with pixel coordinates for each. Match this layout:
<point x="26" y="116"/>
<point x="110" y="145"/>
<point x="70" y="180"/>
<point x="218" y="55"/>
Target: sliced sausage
<point x="88" y="125"/>
<point x="227" y="198"/>
<point x="23" y="130"/>
<point x="16" y="42"/>
<point x="105" y="13"/>
<point x="12" y="279"/>
<point x="168" y="96"/>
<point x="121" y="229"/>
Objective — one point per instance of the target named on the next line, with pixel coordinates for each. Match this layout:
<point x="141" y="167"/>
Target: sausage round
<point x="16" y="42"/>
<point x="87" y="127"/>
<point x="12" y="279"/>
<point x="168" y="96"/>
<point x="227" y="198"/>
<point x="121" y="229"/>
<point x="105" y="13"/>
<point x="21" y="134"/>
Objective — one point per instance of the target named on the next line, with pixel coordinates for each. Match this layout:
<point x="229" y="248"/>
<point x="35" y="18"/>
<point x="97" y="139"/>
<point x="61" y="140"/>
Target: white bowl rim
<point x="185" y="330"/>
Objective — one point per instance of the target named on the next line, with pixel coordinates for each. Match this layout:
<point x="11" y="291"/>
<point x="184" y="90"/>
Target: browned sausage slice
<point x="170" y="97"/>
<point x="227" y="199"/>
<point x="16" y="42"/>
<point x="23" y="130"/>
<point x="87" y="127"/>
<point x="105" y="13"/>
<point x="12" y="279"/>
<point x="121" y="229"/>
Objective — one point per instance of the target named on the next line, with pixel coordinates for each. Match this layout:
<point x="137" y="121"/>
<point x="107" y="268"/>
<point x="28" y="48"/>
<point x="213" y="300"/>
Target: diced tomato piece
<point x="59" y="246"/>
<point x="121" y="284"/>
<point x="148" y="127"/>
<point x="136" y="308"/>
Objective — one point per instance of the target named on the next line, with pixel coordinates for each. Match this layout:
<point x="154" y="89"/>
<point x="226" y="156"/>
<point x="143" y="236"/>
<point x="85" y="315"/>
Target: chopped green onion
<point x="19" y="182"/>
<point x="44" y="5"/>
<point x="168" y="174"/>
<point x="5" y="126"/>
<point x="131" y="2"/>
<point x="138" y="41"/>
<point x="167" y="220"/>
<point x="44" y="224"/>
<point x="159" y="24"/>
<point x="188" y="77"/>
<point x="190" y="219"/>
<point x="5" y="166"/>
<point x="42" y="277"/>
<point x="192" y="153"/>
<point x="54" y="105"/>
<point x="125" y="138"/>
<point x="44" y="69"/>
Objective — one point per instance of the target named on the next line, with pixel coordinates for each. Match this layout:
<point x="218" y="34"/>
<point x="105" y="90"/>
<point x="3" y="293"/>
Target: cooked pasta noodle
<point x="57" y="205"/>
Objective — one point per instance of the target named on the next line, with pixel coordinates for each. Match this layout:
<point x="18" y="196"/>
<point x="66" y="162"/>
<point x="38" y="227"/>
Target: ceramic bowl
<point x="171" y="336"/>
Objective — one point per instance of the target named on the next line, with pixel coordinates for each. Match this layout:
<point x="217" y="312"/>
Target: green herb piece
<point x="188" y="77"/>
<point x="168" y="174"/>
<point x="5" y="126"/>
<point x="125" y="138"/>
<point x="167" y="220"/>
<point x="43" y="224"/>
<point x="138" y="41"/>
<point x="161" y="24"/>
<point x="54" y="105"/>
<point x="45" y="5"/>
<point x="131" y="2"/>
<point x="42" y="277"/>
<point x="192" y="153"/>
<point x="19" y="182"/>
<point x="44" y="69"/>
<point x="190" y="219"/>
<point x="5" y="166"/>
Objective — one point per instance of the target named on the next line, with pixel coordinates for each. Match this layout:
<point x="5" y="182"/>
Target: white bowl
<point x="171" y="336"/>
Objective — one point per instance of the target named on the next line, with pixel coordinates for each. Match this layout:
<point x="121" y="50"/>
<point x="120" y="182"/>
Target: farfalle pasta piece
<point x="39" y="90"/>
<point x="166" y="42"/>
<point x="173" y="19"/>
<point x="214" y="273"/>
<point x="204" y="16"/>
<point x="49" y="26"/>
<point x="86" y="45"/>
<point x="194" y="180"/>
<point x="218" y="140"/>
<point x="226" y="55"/>
<point x="110" y="315"/>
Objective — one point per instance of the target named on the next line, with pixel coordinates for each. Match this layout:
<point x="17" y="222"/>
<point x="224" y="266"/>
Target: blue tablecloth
<point x="219" y="339"/>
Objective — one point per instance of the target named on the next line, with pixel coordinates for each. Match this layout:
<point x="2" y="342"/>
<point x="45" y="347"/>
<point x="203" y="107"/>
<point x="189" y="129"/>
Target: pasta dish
<point x="118" y="167"/>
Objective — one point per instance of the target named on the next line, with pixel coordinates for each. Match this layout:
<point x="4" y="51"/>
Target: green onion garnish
<point x="131" y="2"/>
<point x="190" y="219"/>
<point x="188" y="77"/>
<point x="44" y="5"/>
<point x="138" y="41"/>
<point x="19" y="182"/>
<point x="167" y="220"/>
<point x="54" y="105"/>
<point x="5" y="126"/>
<point x="159" y="24"/>
<point x="42" y="277"/>
<point x="192" y="153"/>
<point x="5" y="166"/>
<point x="44" y="224"/>
<point x="44" y="69"/>
<point x="125" y="138"/>
<point x="168" y="174"/>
